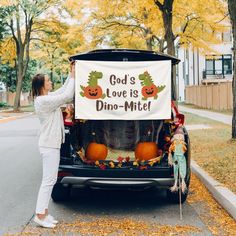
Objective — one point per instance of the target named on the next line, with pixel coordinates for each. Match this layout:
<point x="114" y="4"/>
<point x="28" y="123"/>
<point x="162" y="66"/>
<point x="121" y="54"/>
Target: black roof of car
<point x="124" y="55"/>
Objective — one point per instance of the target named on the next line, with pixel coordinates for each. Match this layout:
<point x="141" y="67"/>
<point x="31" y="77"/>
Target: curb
<point x="9" y="109"/>
<point x="225" y="197"/>
<point x="4" y="120"/>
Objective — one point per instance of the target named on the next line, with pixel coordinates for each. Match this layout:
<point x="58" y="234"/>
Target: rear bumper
<point x="84" y="175"/>
<point x="105" y="182"/>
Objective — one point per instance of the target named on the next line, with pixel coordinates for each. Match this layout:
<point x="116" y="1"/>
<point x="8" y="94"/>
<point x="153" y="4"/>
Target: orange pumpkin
<point x="149" y="91"/>
<point x="96" y="151"/>
<point x="93" y="92"/>
<point x="146" y="151"/>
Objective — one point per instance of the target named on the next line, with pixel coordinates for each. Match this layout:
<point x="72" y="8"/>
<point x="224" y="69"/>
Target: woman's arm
<point x="50" y="103"/>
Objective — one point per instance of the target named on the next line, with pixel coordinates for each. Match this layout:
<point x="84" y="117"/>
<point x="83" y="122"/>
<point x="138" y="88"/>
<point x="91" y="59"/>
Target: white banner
<point x="126" y="90"/>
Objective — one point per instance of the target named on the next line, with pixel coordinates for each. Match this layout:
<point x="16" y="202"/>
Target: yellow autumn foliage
<point x="203" y="19"/>
<point x="139" y="24"/>
<point x="8" y="51"/>
<point x="55" y="42"/>
<point x="5" y="3"/>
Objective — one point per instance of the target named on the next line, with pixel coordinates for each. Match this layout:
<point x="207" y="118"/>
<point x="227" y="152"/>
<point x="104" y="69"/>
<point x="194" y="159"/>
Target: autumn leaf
<point x="143" y="162"/>
<point x="88" y="161"/>
<point x="102" y="166"/>
<point x="135" y="163"/>
<point x="120" y="159"/>
<point x="143" y="167"/>
<point x="112" y="165"/>
<point x="151" y="163"/>
<point x="119" y="164"/>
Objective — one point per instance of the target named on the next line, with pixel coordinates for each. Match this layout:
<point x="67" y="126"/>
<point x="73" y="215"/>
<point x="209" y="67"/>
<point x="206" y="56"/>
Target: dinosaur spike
<point x="146" y="79"/>
<point x="93" y="77"/>
<point x="160" y="88"/>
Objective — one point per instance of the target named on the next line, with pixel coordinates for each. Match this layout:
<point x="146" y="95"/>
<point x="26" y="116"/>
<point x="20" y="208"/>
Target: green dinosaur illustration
<point x="149" y="89"/>
<point x="93" y="90"/>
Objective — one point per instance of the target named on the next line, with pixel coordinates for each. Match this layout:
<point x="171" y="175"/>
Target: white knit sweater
<point x="47" y="107"/>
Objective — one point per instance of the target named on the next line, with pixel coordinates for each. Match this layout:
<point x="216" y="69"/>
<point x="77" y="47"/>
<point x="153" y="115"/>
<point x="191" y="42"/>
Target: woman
<point x="51" y="135"/>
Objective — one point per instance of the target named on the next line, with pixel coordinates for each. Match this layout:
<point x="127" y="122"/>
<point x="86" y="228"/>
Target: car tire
<point x="173" y="197"/>
<point x="60" y="193"/>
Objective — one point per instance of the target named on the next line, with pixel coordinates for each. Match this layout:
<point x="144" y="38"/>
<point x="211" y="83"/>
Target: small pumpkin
<point x="93" y="92"/>
<point x="146" y="150"/>
<point x="149" y="90"/>
<point x="96" y="151"/>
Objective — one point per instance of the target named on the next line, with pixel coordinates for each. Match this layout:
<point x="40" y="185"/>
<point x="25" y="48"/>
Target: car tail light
<point x="64" y="173"/>
<point x="66" y="122"/>
<point x="178" y="118"/>
<point x="181" y="118"/>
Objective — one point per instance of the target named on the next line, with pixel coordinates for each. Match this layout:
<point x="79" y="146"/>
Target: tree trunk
<point x="234" y="90"/>
<point x="147" y="32"/>
<point x="166" y="9"/>
<point x="51" y="77"/>
<point x="149" y="44"/>
<point x="232" y="12"/>
<point x="20" y="75"/>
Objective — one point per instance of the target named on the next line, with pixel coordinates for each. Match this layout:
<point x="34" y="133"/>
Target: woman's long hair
<point x="37" y="85"/>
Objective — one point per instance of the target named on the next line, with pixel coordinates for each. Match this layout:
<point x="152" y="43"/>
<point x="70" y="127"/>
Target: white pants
<point x="50" y="158"/>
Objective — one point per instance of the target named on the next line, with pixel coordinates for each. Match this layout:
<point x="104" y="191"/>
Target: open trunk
<point x="121" y="139"/>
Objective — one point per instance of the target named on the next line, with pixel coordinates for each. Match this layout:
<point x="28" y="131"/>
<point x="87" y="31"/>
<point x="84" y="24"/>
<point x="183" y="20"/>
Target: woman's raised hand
<point x="72" y="70"/>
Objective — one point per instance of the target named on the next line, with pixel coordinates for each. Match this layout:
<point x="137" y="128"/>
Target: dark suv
<point x="119" y="169"/>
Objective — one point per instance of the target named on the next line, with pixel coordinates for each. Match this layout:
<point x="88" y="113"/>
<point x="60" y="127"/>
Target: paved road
<point x="20" y="171"/>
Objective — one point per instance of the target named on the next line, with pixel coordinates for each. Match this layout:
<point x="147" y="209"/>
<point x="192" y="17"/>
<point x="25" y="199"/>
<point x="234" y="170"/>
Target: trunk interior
<point x="121" y="138"/>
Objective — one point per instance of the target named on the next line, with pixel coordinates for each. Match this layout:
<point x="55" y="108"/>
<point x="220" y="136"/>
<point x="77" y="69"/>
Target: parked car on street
<point x="120" y="169"/>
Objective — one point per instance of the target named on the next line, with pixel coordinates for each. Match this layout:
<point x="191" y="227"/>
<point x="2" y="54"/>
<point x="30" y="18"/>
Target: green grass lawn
<point x="29" y="108"/>
<point x="214" y="150"/>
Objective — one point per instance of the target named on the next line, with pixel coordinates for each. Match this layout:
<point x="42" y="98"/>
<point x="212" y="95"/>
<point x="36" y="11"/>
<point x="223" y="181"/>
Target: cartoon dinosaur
<point x="149" y="89"/>
<point x="93" y="90"/>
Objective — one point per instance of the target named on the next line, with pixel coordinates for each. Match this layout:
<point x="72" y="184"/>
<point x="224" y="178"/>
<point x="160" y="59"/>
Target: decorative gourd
<point x="145" y="151"/>
<point x="96" y="151"/>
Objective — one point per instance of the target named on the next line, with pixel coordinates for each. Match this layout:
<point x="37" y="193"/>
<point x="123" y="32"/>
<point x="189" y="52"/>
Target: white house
<point x="2" y="87"/>
<point x="195" y="69"/>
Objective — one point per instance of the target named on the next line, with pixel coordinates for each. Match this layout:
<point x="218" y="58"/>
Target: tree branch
<point x="160" y="6"/>
<point x="113" y="23"/>
<point x="12" y="31"/>
<point x="43" y="40"/>
<point x="222" y="18"/>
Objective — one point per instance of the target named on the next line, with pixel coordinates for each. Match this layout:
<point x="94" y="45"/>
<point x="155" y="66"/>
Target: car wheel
<point x="174" y="196"/>
<point x="60" y="193"/>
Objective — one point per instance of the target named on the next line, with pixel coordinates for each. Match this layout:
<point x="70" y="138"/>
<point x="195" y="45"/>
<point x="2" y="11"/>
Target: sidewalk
<point x="227" y="119"/>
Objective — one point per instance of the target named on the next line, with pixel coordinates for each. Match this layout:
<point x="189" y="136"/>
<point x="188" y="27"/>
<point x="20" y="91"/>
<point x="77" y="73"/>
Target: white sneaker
<point x="51" y="219"/>
<point x="44" y="223"/>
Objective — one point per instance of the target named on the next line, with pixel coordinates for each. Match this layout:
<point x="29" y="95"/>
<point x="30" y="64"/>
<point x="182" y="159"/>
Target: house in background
<point x="2" y="87"/>
<point x="196" y="69"/>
